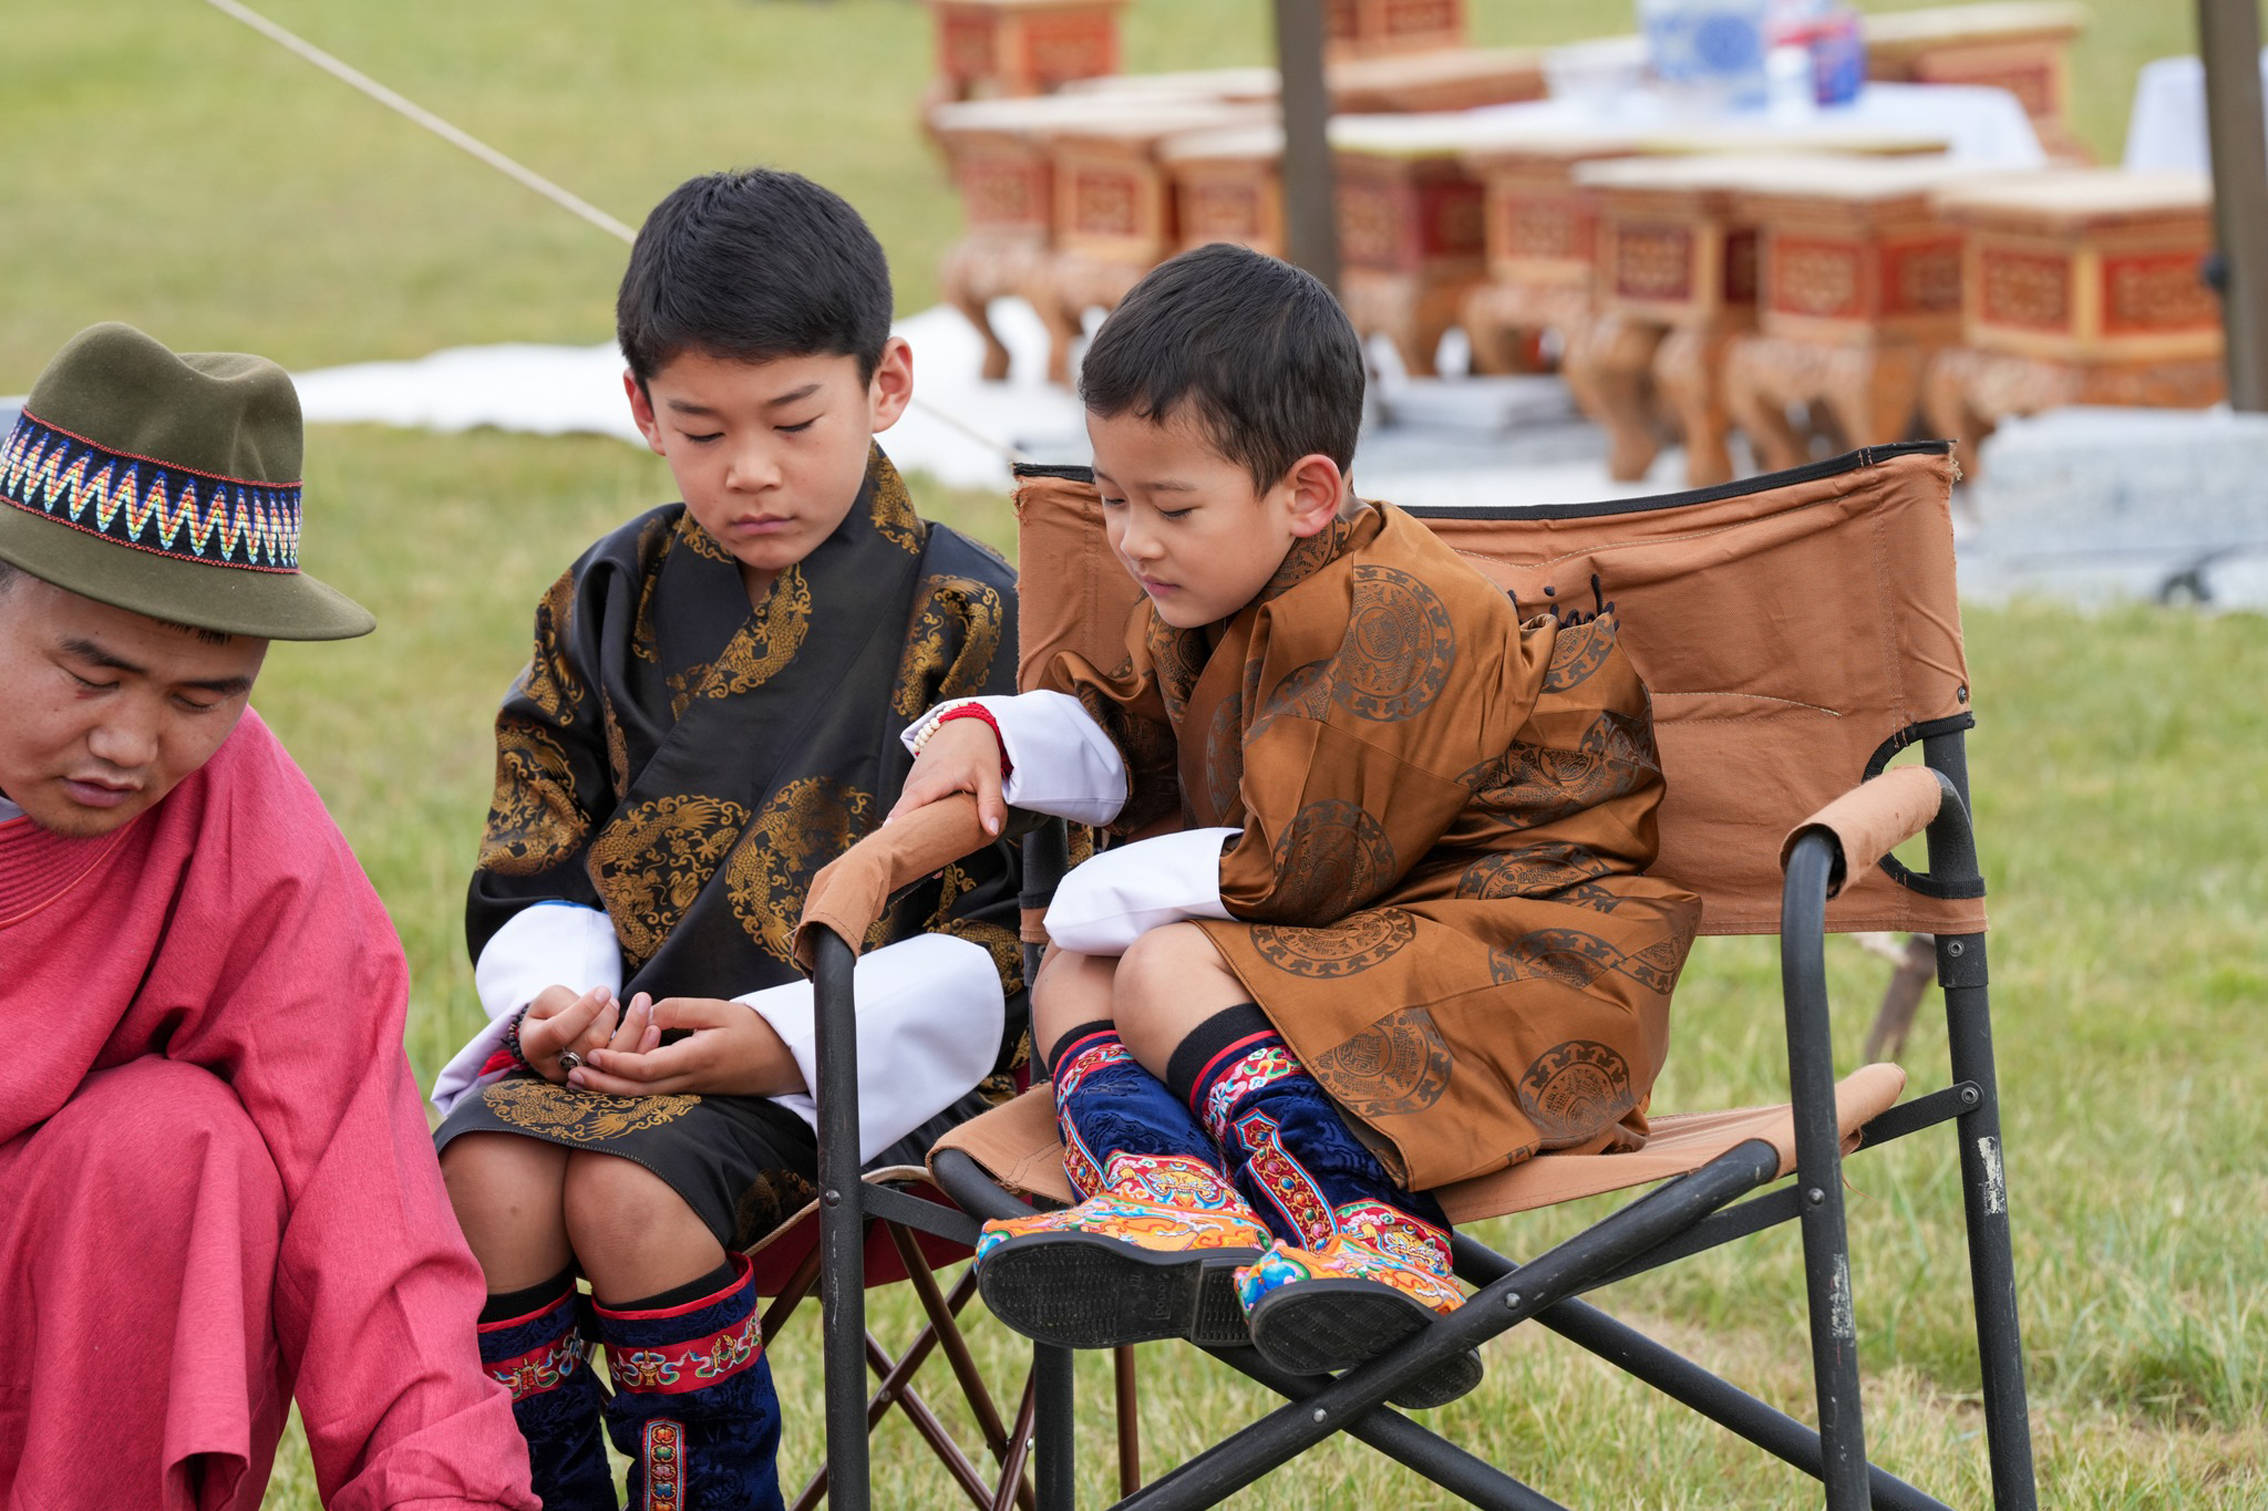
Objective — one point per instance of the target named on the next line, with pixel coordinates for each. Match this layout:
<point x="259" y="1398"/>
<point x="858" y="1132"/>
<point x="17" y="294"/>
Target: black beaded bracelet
<point x="512" y="1039"/>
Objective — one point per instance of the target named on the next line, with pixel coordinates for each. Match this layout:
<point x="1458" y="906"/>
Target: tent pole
<point x="1311" y="232"/>
<point x="2228" y="38"/>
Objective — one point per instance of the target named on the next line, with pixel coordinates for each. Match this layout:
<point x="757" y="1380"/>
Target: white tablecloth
<point x="1981" y="125"/>
<point x="2167" y="128"/>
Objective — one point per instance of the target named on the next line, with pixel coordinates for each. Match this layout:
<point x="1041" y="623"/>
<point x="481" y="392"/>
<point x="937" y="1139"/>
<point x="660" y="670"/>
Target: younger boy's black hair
<point x="753" y="264"/>
<point x="1260" y="351"/>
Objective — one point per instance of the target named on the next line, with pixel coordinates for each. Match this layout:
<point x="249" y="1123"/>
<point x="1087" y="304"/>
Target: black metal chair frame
<point x="1686" y="1215"/>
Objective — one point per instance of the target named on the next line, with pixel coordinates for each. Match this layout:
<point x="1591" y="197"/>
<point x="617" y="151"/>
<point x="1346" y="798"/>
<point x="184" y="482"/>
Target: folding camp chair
<point x="1797" y="630"/>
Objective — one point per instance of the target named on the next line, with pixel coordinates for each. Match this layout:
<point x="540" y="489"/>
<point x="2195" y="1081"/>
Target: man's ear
<point x="642" y="411"/>
<point x="1313" y="490"/>
<point x="891" y="388"/>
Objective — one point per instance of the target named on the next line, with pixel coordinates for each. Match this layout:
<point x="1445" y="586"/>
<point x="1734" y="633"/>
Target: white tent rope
<point x="572" y="203"/>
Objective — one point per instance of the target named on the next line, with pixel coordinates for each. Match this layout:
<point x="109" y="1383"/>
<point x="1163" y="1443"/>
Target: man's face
<point x="1188" y="523"/>
<point x="105" y="709"/>
<point x="769" y="456"/>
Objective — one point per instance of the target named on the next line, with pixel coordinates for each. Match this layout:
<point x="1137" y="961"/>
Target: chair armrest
<point x="851" y="891"/>
<point x="1872" y="819"/>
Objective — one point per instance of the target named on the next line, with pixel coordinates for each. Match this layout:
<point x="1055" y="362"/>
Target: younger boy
<point x="1404" y="938"/>
<point x="708" y="717"/>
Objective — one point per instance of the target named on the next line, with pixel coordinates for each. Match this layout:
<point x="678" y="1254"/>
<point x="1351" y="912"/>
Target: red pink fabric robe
<point x="216" y="1185"/>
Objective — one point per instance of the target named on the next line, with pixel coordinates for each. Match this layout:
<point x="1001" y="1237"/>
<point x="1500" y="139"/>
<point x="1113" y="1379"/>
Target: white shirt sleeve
<point x="550" y="944"/>
<point x="930" y="1016"/>
<point x="1114" y="898"/>
<point x="1060" y="760"/>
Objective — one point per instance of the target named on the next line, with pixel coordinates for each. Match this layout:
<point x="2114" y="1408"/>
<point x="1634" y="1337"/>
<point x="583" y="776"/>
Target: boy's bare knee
<point x="1170" y="980"/>
<point x="610" y="1201"/>
<point x="505" y="1191"/>
<point x="1069" y="989"/>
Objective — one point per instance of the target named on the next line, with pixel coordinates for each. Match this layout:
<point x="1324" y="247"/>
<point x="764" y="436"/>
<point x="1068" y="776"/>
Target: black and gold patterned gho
<point x="167" y="484"/>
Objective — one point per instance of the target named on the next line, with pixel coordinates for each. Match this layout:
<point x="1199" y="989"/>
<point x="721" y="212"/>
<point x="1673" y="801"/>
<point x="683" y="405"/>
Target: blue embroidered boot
<point x="694" y="1409"/>
<point x="1153" y="1247"/>
<point x="543" y="1356"/>
<point x="1359" y="1264"/>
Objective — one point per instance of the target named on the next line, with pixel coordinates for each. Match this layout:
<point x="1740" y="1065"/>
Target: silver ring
<point x="569" y="1060"/>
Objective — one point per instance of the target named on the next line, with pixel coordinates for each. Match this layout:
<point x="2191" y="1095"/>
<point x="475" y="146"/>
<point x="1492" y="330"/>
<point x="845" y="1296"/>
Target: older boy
<point x="708" y="717"/>
<point x="215" y="1185"/>
<point x="1404" y="939"/>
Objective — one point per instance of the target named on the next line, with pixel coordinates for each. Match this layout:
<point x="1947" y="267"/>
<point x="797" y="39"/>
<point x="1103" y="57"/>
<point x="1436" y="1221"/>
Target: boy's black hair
<point x="753" y="264"/>
<point x="1260" y="351"/>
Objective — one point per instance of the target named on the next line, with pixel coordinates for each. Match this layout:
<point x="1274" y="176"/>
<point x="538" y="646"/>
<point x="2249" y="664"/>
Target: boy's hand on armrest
<point x="962" y="755"/>
<point x="730" y="1051"/>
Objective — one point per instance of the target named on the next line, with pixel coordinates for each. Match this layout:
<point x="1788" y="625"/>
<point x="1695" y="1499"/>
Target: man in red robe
<point x="216" y="1186"/>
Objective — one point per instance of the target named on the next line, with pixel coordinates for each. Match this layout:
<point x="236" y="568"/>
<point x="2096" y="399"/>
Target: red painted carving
<point x="2028" y="289"/>
<point x="2156" y="292"/>
<point x="1922" y="277"/>
<point x="1818" y="277"/>
<point x="1654" y="262"/>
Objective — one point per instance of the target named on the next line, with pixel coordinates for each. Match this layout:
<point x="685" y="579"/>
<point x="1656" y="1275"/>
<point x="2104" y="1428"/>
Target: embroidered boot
<point x="538" y="1349"/>
<point x="1152" y="1248"/>
<point x="694" y="1409"/>
<point x="1358" y="1264"/>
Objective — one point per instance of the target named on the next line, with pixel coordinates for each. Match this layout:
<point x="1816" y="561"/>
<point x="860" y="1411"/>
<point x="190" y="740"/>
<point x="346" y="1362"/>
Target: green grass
<point x="168" y="167"/>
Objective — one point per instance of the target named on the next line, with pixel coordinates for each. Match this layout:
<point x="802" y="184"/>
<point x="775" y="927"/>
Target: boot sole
<point x="1082" y="1291"/>
<point x="1330" y="1326"/>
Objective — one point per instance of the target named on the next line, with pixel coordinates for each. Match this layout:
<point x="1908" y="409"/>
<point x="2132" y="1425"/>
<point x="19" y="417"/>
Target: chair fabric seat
<point x="1018" y="1146"/>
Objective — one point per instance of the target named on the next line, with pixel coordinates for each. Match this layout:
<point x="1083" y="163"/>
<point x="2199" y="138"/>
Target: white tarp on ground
<point x="555" y="390"/>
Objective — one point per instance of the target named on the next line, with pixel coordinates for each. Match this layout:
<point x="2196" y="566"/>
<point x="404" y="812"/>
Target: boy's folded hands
<point x="961" y="755"/>
<point x="727" y="1049"/>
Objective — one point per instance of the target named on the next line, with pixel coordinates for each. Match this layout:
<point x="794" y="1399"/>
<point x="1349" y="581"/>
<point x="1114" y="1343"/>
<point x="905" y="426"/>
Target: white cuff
<point x="1114" y="898"/>
<point x="930" y="1016"/>
<point x="1060" y="761"/>
<point x="550" y="944"/>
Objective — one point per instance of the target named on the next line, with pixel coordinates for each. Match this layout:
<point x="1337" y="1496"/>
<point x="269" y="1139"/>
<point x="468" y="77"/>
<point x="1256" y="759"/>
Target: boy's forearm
<point x="1060" y="761"/>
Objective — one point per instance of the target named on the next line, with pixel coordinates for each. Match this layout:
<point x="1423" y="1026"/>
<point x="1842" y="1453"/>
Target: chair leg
<point x="942" y="1313"/>
<point x="1129" y="1421"/>
<point x="1020" y="1449"/>
<point x="1819" y="1176"/>
<point x="1047" y="1426"/>
<point x="1984" y="1189"/>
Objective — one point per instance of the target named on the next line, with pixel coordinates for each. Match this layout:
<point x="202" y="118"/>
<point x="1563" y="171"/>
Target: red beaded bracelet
<point x="979" y="711"/>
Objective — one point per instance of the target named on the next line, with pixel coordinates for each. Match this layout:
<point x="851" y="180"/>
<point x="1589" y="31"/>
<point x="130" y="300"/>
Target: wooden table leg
<point x="1688" y="368"/>
<point x="1759" y="405"/>
<point x="1608" y="366"/>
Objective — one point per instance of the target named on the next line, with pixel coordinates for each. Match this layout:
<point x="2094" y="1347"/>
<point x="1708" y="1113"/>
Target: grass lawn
<point x="168" y="167"/>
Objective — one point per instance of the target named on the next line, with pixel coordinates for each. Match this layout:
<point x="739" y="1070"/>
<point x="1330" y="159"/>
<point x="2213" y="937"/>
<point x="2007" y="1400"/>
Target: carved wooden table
<point x="2079" y="287"/>
<point x="1364" y="28"/>
<point x="1006" y="187"/>
<point x="2022" y="46"/>
<point x="1411" y="238"/>
<point x="996" y="48"/>
<point x="1859" y="285"/>
<point x="1461" y="78"/>
<point x="1114" y="216"/>
<point x="1541" y="231"/>
<point x="1228" y="186"/>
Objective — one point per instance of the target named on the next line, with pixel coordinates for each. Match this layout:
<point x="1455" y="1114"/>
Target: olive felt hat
<point x="169" y="485"/>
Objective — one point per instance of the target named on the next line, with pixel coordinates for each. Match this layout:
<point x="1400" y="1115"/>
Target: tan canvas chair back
<point x="1796" y="631"/>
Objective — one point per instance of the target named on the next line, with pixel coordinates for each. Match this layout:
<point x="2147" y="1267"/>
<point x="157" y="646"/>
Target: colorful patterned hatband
<point x="149" y="505"/>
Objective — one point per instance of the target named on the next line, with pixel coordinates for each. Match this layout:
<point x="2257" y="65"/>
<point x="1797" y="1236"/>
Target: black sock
<point x="1055" y="1055"/>
<point x="677" y="1295"/>
<point x="504" y="1306"/>
<point x="1207" y="1040"/>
